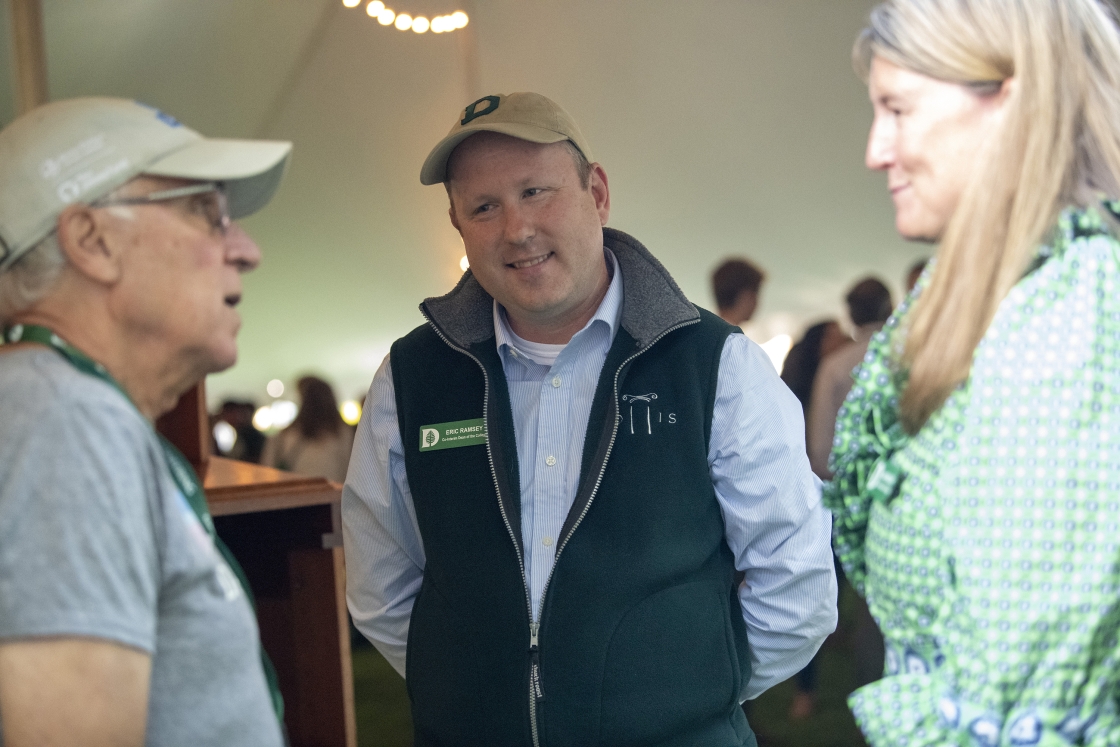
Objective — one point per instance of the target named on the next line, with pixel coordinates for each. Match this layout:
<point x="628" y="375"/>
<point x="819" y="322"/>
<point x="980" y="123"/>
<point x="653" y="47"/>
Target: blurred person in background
<point x="869" y="306"/>
<point x="317" y="442"/>
<point x="976" y="462"/>
<point x="249" y="442"/>
<point x="736" y="284"/>
<point x="124" y="620"/>
<point x="798" y="372"/>
<point x="800" y="366"/>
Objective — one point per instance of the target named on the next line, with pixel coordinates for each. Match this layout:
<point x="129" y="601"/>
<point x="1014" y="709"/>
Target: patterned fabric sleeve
<point x="867" y="433"/>
<point x="1028" y="625"/>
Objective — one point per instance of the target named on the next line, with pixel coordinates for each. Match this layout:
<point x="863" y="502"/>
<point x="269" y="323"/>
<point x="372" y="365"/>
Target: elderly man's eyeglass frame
<point x="218" y="218"/>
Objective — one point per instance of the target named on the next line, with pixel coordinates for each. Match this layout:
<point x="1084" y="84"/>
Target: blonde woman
<point x="977" y="458"/>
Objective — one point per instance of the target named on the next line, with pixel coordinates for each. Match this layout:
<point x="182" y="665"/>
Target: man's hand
<point x="73" y="691"/>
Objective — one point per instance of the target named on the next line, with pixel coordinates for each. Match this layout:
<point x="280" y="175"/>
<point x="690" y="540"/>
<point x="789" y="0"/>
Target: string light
<point x="405" y="21"/>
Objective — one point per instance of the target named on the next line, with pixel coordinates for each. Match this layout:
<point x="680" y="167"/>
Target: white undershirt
<point x="538" y="352"/>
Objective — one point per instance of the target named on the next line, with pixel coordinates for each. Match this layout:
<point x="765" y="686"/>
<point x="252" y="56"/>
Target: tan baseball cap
<point x="78" y="150"/>
<point x="528" y="116"/>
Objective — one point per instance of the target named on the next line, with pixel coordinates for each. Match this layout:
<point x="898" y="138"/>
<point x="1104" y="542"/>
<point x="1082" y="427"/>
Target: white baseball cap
<point x="78" y="150"/>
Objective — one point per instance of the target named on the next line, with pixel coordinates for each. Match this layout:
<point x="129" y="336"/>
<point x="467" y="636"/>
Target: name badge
<point x="452" y="435"/>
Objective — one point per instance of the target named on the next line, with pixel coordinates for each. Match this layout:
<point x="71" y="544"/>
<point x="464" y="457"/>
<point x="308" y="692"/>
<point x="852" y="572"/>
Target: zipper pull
<point x="535" y="662"/>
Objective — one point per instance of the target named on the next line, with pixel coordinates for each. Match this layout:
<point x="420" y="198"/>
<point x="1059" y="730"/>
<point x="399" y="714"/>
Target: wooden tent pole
<point x="30" y="70"/>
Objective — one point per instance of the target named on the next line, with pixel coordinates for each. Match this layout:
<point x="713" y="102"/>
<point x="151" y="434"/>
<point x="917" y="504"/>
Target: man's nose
<point x="518" y="226"/>
<point x="241" y="250"/>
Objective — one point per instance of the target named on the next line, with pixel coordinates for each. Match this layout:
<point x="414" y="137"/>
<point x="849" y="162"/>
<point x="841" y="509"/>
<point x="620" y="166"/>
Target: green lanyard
<point x="181" y="473"/>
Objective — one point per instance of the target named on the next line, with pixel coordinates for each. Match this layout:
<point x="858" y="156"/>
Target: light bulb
<point x="351" y="3"/>
<point x="404" y="21"/>
<point x="373" y="10"/>
<point x="386" y="17"/>
<point x="275" y="388"/>
<point x="350" y="411"/>
<point x="459" y="18"/>
<point x="420" y="24"/>
<point x="437" y="25"/>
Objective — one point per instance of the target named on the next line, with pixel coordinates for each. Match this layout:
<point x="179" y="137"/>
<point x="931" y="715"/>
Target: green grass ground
<point x="380" y="701"/>
<point x="384" y="719"/>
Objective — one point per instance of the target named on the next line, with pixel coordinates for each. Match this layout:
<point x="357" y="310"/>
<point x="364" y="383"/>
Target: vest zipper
<point x="536" y="692"/>
<point x="535" y="627"/>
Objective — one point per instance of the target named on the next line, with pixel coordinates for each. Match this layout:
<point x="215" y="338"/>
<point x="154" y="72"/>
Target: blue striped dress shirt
<point x="775" y="524"/>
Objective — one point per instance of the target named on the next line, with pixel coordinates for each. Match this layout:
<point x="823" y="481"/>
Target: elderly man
<point x="123" y="620"/>
<point x="558" y="477"/>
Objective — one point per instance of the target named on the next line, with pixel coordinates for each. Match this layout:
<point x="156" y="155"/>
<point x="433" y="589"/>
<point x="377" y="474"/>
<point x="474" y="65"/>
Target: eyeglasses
<point x="215" y="210"/>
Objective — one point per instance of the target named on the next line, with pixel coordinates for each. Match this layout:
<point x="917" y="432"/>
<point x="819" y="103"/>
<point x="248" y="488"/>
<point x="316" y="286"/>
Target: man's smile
<point x="521" y="264"/>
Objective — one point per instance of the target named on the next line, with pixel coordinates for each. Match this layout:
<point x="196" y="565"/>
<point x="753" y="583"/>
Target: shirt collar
<point x="608" y="313"/>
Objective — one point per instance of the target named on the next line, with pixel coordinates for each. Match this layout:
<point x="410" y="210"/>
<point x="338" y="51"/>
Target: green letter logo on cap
<point x="472" y="114"/>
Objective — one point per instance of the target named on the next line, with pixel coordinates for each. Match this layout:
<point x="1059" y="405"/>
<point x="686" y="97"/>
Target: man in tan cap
<point x="123" y="619"/>
<point x="559" y="477"/>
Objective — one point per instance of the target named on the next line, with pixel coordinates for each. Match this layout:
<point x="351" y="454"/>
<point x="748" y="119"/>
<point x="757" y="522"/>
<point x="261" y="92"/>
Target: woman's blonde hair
<point x="1059" y="144"/>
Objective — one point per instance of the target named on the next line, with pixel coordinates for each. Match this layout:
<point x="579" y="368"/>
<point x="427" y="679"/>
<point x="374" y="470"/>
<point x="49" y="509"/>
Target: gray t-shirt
<point x="97" y="541"/>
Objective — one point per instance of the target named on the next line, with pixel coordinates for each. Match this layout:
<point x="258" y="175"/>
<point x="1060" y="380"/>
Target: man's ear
<point x="83" y="239"/>
<point x="601" y="192"/>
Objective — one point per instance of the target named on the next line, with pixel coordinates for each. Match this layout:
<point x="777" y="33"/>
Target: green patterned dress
<point x="988" y="544"/>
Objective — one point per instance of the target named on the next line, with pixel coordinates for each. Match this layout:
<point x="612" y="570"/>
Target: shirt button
<point x="556" y="382"/>
<point x="547" y="542"/>
<point x="551" y="461"/>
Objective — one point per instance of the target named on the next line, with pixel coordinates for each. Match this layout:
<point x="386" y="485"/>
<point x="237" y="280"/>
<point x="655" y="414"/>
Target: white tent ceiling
<point x="726" y="127"/>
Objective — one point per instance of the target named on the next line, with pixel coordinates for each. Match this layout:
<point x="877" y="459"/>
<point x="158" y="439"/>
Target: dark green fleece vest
<point x="641" y="638"/>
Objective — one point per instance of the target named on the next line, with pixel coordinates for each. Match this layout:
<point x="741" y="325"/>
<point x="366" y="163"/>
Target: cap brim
<point x="434" y="170"/>
<point x="250" y="169"/>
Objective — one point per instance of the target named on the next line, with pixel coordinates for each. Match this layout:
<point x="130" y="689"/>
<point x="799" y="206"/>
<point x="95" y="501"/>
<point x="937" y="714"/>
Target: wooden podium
<point x="285" y="530"/>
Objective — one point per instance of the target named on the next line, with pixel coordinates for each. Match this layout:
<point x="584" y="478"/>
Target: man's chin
<point x="220" y="360"/>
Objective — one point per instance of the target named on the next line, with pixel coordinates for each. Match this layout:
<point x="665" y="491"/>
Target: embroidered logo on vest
<point x="648" y="417"/>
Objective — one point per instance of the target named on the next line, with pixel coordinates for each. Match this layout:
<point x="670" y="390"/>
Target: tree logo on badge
<point x="429" y="437"/>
